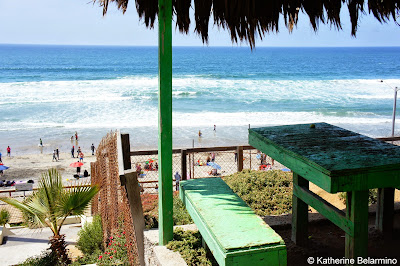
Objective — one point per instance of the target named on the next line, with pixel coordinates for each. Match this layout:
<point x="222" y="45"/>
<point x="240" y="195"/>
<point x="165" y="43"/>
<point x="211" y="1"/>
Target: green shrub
<point x="150" y="210"/>
<point x="266" y="192"/>
<point x="91" y="236"/>
<point x="116" y="252"/>
<point x="4" y="216"/>
<point x="188" y="244"/>
<point x="372" y="196"/>
<point x="47" y="258"/>
<point x="180" y="214"/>
<point x="87" y="259"/>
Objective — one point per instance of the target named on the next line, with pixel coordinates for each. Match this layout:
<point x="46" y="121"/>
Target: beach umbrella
<point x="214" y="165"/>
<point x="3" y="167"/>
<point x="76" y="164"/>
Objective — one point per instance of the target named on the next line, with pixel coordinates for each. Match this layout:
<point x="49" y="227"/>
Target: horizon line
<point x="191" y="46"/>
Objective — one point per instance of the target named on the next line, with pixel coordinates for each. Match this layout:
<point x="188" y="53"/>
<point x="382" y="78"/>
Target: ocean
<point x="50" y="92"/>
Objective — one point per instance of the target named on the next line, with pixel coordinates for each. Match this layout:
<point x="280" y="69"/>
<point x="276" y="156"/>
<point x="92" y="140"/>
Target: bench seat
<point x="232" y="231"/>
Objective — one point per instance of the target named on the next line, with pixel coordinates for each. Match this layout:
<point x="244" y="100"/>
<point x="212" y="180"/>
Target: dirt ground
<point x="327" y="240"/>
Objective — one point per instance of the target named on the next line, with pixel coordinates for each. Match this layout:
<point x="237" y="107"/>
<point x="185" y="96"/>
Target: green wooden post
<point x="299" y="214"/>
<point x="357" y="212"/>
<point x="384" y="211"/>
<point x="165" y="120"/>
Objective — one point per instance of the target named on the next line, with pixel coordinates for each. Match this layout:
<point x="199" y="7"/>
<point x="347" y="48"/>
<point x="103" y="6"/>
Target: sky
<point x="80" y="22"/>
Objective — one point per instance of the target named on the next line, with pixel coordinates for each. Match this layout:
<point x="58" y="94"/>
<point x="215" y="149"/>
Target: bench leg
<point x="357" y="212"/>
<point x="384" y="212"/>
<point x="299" y="214"/>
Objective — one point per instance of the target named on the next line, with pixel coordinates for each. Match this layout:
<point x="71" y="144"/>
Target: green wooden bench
<point x="232" y="231"/>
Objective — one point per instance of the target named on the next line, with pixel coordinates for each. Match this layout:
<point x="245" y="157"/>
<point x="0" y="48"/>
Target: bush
<point x="47" y="258"/>
<point x="87" y="259"/>
<point x="372" y="196"/>
<point x="4" y="216"/>
<point x="116" y="252"/>
<point x="91" y="237"/>
<point x="188" y="244"/>
<point x="266" y="192"/>
<point x="150" y="210"/>
<point x="180" y="214"/>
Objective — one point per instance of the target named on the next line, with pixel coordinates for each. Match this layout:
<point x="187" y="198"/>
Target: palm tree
<point x="51" y="204"/>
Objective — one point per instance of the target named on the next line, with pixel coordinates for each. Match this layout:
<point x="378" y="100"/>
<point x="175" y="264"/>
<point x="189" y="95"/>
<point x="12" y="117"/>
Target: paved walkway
<point x="32" y="242"/>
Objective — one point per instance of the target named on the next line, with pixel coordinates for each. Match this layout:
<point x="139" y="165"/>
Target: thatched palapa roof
<point x="245" y="19"/>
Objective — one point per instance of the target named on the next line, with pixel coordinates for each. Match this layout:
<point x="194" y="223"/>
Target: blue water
<point x="53" y="91"/>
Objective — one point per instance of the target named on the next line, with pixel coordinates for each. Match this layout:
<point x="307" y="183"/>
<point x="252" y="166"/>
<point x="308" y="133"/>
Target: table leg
<point x="299" y="214"/>
<point x="357" y="212"/>
<point x="384" y="211"/>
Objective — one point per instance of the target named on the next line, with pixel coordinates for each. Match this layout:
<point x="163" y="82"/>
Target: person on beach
<point x="54" y="156"/>
<point x="138" y="168"/>
<point x="213" y="156"/>
<point x="78" y="171"/>
<point x="215" y="128"/>
<point x="58" y="154"/>
<point x="177" y="180"/>
<point x="0" y="157"/>
<point x="8" y="151"/>
<point x="73" y="151"/>
<point x="81" y="157"/>
<point x="92" y="148"/>
<point x="72" y="138"/>
<point x="76" y="135"/>
<point x="41" y="142"/>
<point x="200" y="133"/>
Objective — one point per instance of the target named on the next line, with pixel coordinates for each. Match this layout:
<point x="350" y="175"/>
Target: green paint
<point x="299" y="213"/>
<point x="385" y="211"/>
<point x="335" y="215"/>
<point x="165" y="120"/>
<point x="232" y="231"/>
<point x="357" y="212"/>
<point x="331" y="157"/>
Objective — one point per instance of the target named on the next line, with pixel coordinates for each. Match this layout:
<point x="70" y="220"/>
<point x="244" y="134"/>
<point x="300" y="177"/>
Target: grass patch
<point x="150" y="210"/>
<point x="266" y="192"/>
<point x="188" y="244"/>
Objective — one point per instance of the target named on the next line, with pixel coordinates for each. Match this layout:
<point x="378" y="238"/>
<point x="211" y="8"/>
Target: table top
<point x="328" y="149"/>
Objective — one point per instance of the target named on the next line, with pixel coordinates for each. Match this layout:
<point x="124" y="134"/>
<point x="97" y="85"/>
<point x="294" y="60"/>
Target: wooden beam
<point x="384" y="211"/>
<point x="184" y="164"/>
<point x="165" y="120"/>
<point x="189" y="150"/>
<point x="356" y="245"/>
<point x="126" y="148"/>
<point x="135" y="204"/>
<point x="299" y="213"/>
<point x="239" y="157"/>
<point x="335" y="215"/>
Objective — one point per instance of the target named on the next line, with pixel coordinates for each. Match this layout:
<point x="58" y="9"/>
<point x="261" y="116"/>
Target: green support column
<point x="357" y="212"/>
<point x="299" y="214"/>
<point x="165" y="120"/>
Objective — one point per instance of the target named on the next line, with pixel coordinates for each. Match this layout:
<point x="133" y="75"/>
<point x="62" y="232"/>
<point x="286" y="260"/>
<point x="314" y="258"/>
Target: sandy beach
<point x="32" y="166"/>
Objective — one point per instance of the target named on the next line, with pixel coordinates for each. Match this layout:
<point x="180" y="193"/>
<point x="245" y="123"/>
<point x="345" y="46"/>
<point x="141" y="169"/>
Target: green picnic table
<point x="336" y="160"/>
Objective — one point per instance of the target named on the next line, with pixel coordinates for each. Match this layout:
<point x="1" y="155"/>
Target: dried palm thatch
<point x="247" y="19"/>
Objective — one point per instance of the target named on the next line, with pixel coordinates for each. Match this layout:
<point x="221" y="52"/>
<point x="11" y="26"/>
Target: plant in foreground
<point x="91" y="237"/>
<point x="4" y="217"/>
<point x="51" y="204"/>
<point x="116" y="252"/>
